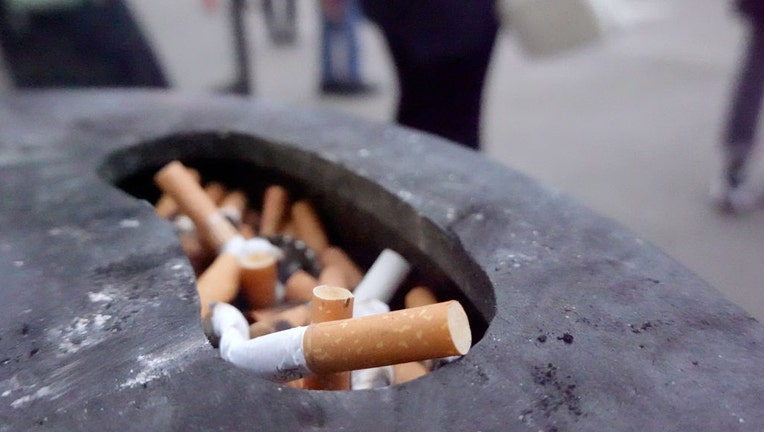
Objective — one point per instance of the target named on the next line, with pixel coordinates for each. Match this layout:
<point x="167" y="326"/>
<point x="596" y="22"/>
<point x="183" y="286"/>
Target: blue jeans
<point x="339" y="45"/>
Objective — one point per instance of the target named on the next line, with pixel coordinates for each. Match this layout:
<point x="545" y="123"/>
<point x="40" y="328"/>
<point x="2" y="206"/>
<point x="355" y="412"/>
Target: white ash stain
<point x="40" y="393"/>
<point x="155" y="366"/>
<point x="405" y="195"/>
<point x="451" y="214"/>
<point x="129" y="223"/>
<point x="82" y="332"/>
<point x="99" y="297"/>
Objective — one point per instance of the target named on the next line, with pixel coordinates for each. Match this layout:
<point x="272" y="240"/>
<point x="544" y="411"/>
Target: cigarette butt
<point x="216" y="191"/>
<point x="177" y="182"/>
<point x="295" y="316"/>
<point x="298" y="383"/>
<point x="330" y="303"/>
<point x="405" y="372"/>
<point x="401" y="336"/>
<point x="421" y="333"/>
<point x="246" y="231"/>
<point x="166" y="205"/>
<point x="219" y="283"/>
<point x="276" y="356"/>
<point x="288" y="229"/>
<point x="275" y="202"/>
<point x="233" y="206"/>
<point x="419" y="296"/>
<point x="333" y="276"/>
<point x="334" y="256"/>
<point x="266" y="313"/>
<point x="251" y="217"/>
<point x="299" y="287"/>
<point x="308" y="226"/>
<point x="259" y="275"/>
<point x="249" y="223"/>
<point x="383" y="277"/>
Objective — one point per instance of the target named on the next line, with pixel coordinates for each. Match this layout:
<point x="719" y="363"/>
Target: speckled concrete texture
<point x="586" y="326"/>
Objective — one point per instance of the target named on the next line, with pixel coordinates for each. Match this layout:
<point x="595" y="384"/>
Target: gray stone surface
<point x="588" y="327"/>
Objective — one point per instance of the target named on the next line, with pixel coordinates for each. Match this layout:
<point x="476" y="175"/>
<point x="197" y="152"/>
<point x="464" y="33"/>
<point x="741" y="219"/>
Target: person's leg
<point x="108" y="30"/>
<point x="326" y="59"/>
<point x="281" y="20"/>
<point x="40" y="51"/>
<point x="340" y="69"/>
<point x="443" y="96"/>
<point x="741" y="126"/>
<point x="350" y="21"/>
<point x="740" y="133"/>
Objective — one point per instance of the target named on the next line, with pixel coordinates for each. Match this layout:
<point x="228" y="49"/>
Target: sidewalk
<point x="627" y="127"/>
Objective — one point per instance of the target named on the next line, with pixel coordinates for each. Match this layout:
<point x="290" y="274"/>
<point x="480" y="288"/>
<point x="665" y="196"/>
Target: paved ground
<point x="628" y="127"/>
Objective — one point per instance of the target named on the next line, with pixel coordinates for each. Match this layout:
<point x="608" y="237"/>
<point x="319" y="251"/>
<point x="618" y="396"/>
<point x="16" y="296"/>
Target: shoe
<point x="283" y="37"/>
<point x="734" y="192"/>
<point x="347" y="88"/>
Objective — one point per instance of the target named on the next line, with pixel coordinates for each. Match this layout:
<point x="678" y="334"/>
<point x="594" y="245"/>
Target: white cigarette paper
<point x="383" y="277"/>
<point x="275" y="356"/>
<point x="363" y="379"/>
<point x="242" y="247"/>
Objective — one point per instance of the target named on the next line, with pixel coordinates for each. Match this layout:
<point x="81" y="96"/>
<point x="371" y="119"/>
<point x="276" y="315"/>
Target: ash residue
<point x="557" y="393"/>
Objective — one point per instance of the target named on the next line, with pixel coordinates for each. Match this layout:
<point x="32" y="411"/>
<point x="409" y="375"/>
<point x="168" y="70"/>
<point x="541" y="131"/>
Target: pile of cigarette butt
<point x="325" y="327"/>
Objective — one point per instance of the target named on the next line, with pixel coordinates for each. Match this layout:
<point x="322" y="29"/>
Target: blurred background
<point x="630" y="125"/>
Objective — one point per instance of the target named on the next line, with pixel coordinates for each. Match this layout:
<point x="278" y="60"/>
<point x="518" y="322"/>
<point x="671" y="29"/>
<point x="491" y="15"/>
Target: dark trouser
<point x="442" y="96"/>
<point x="280" y="19"/>
<point x="740" y="132"/>
<point x="98" y="44"/>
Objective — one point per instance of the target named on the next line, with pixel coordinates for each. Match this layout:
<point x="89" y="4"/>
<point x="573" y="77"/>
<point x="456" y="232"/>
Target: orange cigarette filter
<point x="216" y="191"/>
<point x="166" y="205"/>
<point x="332" y="276"/>
<point x="405" y="372"/>
<point x="259" y="275"/>
<point x="298" y="383"/>
<point x="287" y="228"/>
<point x="330" y="303"/>
<point x="426" y="332"/>
<point x="334" y="256"/>
<point x="419" y="296"/>
<point x="275" y="204"/>
<point x="220" y="282"/>
<point x="293" y="317"/>
<point x="175" y="180"/>
<point x="299" y="287"/>
<point x="308" y="226"/>
<point x="247" y="231"/>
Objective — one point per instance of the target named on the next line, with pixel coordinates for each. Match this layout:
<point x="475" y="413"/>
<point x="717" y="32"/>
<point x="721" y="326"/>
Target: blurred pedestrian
<point x="76" y="43"/>
<point x="340" y="48"/>
<point x="736" y="192"/>
<point x="281" y="21"/>
<point x="441" y="50"/>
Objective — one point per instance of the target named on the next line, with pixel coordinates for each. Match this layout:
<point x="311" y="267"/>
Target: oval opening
<point x="359" y="216"/>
